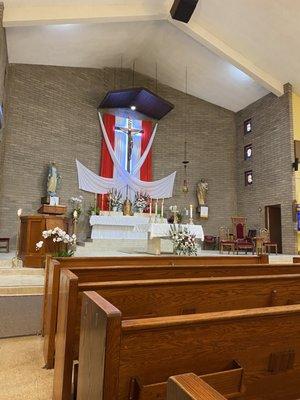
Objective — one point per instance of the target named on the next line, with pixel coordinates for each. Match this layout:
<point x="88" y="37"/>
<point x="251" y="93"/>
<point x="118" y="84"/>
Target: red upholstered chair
<point x="209" y="242"/>
<point x="242" y="242"/>
<point x="267" y="244"/>
<point x="224" y="240"/>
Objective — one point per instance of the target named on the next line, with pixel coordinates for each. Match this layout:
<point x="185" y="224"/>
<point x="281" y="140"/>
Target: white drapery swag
<point x="127" y="183"/>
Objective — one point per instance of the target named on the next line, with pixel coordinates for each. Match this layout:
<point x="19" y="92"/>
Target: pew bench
<point x="114" y="353"/>
<point x="154" y="298"/>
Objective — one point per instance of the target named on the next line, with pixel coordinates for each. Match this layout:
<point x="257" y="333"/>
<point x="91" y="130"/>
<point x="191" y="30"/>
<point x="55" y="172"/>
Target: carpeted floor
<point x="22" y="376"/>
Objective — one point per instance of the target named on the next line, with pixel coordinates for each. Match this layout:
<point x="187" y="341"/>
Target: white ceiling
<point x="260" y="37"/>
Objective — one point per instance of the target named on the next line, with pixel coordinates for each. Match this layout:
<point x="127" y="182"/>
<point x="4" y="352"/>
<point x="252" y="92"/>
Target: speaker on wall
<point x="182" y="10"/>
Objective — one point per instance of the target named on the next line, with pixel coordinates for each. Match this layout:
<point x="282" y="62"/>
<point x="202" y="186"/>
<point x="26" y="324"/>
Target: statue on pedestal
<point x="54" y="180"/>
<point x="202" y="189"/>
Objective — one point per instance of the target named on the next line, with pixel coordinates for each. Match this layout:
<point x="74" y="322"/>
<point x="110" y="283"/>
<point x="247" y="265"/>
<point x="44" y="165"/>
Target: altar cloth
<point x="162" y="230"/>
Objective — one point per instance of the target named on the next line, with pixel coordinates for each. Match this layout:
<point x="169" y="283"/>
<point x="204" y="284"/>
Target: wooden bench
<point x="296" y="260"/>
<point x="153" y="298"/>
<point x="132" y="272"/>
<point x="191" y="387"/>
<point x="133" y="359"/>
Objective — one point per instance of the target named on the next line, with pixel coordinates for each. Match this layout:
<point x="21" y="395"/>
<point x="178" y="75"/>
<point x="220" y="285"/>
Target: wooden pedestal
<point x="31" y="230"/>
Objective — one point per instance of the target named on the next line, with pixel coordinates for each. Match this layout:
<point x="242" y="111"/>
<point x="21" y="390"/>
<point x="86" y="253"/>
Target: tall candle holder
<point x="75" y="222"/>
<point x="16" y="260"/>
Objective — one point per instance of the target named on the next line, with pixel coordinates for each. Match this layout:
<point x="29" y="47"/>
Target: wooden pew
<point x="191" y="387"/>
<point x="91" y="274"/>
<point x="133" y="359"/>
<point x="53" y="265"/>
<point x="296" y="260"/>
<point x="134" y="272"/>
<point x="153" y="298"/>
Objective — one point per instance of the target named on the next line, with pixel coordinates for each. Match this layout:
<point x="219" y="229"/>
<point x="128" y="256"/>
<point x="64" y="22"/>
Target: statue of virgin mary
<point x="53" y="180"/>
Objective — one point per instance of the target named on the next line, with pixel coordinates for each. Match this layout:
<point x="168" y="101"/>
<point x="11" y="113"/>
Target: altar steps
<point x="21" y="298"/>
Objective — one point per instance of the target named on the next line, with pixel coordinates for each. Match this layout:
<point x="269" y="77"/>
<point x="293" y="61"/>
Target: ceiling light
<point x="133" y="108"/>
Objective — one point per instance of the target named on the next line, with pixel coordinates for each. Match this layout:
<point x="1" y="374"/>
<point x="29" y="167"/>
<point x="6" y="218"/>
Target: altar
<point x="115" y="225"/>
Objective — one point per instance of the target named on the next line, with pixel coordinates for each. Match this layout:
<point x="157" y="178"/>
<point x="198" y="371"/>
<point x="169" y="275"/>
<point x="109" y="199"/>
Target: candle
<point x="162" y="208"/>
<point x="75" y="214"/>
<point x="156" y="206"/>
<point x="191" y="211"/>
<point x="19" y="212"/>
<point x="150" y="207"/>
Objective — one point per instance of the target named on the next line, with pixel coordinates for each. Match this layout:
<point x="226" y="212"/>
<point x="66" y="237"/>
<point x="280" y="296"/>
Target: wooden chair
<point x="4" y="244"/>
<point x="224" y="240"/>
<point x="267" y="244"/>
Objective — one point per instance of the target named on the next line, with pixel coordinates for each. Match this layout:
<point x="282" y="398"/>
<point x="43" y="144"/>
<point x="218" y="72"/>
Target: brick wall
<point x="51" y="115"/>
<point x="272" y="140"/>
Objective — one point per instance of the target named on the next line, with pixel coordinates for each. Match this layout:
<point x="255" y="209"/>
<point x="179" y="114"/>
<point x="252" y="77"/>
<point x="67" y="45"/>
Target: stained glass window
<point x="248" y="152"/>
<point x="247" y="126"/>
<point x="248" y="178"/>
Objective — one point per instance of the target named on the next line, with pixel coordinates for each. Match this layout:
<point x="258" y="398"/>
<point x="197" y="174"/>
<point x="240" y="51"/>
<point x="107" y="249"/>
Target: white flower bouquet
<point x="63" y="242"/>
<point x="77" y="204"/>
<point x="184" y="242"/>
<point x="141" y="201"/>
<point x="115" y="199"/>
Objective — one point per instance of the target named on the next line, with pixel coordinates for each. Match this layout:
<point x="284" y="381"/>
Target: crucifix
<point x="130" y="132"/>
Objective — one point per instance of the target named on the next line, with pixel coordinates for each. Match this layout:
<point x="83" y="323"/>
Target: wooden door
<point x="273" y="223"/>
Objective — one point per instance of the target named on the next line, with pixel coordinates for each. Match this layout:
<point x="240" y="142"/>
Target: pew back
<point x="152" y="298"/>
<point x="266" y="342"/>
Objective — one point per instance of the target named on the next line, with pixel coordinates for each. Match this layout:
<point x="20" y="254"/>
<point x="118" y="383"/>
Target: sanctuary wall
<point x="273" y="155"/>
<point x="51" y="116"/>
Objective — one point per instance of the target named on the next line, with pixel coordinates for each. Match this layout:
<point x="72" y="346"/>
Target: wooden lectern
<point x="31" y="230"/>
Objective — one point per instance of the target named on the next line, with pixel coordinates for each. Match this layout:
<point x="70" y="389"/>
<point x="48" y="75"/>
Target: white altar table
<point x="118" y="227"/>
<point x="157" y="231"/>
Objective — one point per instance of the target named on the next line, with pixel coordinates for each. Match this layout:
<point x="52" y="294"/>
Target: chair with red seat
<point x="209" y="242"/>
<point x="242" y="242"/>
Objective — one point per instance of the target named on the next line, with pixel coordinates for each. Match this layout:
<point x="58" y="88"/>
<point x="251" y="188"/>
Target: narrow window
<point x="247" y="126"/>
<point x="248" y="152"/>
<point x="248" y="178"/>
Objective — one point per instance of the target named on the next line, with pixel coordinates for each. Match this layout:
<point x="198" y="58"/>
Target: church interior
<point x="149" y="200"/>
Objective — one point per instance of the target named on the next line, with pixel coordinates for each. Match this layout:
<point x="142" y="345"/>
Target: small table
<point x="158" y="231"/>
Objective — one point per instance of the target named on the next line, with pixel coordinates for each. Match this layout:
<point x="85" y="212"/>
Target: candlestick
<point x="156" y="207"/>
<point x="150" y="207"/>
<point x="162" y="208"/>
<point x="191" y="211"/>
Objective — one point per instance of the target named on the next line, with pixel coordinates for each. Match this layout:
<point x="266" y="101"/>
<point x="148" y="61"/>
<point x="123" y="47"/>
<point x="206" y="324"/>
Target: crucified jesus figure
<point x="130" y="132"/>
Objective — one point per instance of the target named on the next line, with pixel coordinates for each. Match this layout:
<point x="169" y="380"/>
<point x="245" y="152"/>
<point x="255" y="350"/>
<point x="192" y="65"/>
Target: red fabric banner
<point x="106" y="163"/>
<point x="146" y="169"/>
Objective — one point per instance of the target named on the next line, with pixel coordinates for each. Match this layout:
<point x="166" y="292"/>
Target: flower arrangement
<point x="115" y="199"/>
<point x="77" y="204"/>
<point x="93" y="210"/>
<point x="59" y="236"/>
<point x="141" y="201"/>
<point x="184" y="242"/>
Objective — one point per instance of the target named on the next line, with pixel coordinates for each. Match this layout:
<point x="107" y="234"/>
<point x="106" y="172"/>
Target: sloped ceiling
<point x="260" y="38"/>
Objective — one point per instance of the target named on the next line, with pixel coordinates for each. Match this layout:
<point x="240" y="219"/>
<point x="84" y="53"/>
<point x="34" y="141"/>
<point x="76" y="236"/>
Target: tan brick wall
<point x="51" y="115"/>
<point x="272" y="140"/>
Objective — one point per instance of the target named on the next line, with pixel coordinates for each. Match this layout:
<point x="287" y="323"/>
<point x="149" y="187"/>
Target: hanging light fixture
<point x="185" y="162"/>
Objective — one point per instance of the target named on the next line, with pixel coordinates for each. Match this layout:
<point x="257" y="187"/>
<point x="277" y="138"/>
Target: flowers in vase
<point x="59" y="236"/>
<point x="141" y="201"/>
<point x="184" y="242"/>
<point x="77" y="205"/>
<point x="115" y="199"/>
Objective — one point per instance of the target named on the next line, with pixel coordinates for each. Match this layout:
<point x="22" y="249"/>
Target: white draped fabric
<point x="127" y="183"/>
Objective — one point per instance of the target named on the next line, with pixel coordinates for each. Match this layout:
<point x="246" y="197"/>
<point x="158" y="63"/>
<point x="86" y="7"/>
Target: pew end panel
<point x="99" y="349"/>
<point x="66" y="324"/>
<point x="190" y="387"/>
